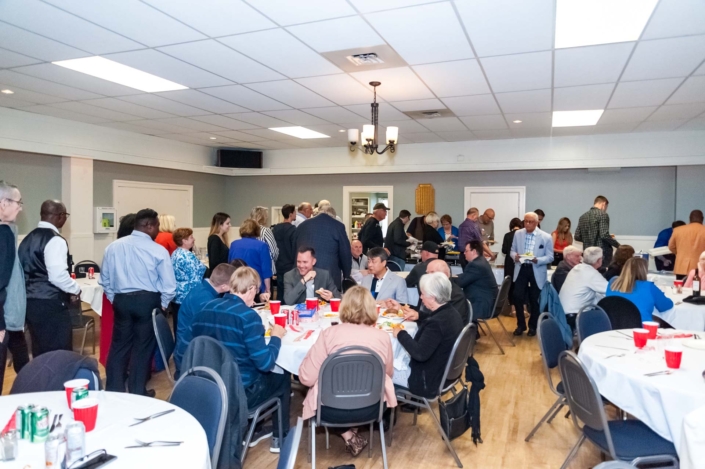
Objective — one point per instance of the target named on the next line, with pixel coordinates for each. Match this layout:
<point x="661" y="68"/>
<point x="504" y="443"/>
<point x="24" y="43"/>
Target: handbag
<point x="454" y="414"/>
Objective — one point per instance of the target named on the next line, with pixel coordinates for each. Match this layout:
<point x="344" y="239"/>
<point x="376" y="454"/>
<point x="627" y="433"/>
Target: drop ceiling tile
<point x="418" y="105"/>
<point x="693" y="124"/>
<point x="405" y="127"/>
<point x="290" y="93"/>
<point x="446" y="124"/>
<point x="244" y="137"/>
<point x="677" y="112"/>
<point x="493" y="134"/>
<point x="13" y="102"/>
<point x="403" y="28"/>
<point x="163" y="104"/>
<point x="127" y="108"/>
<point x="457" y="136"/>
<point x="692" y="91"/>
<point x="260" y="120"/>
<point x="222" y="60"/>
<point x="53" y="23"/>
<point x="518" y="72"/>
<point x="13" y="59"/>
<point x="132" y="19"/>
<point x="615" y="128"/>
<point x="386" y="112"/>
<point x="368" y="6"/>
<point x="339" y="34"/>
<point x="160" y="64"/>
<point x="422" y="137"/>
<point x="282" y="52"/>
<point x="38" y="85"/>
<point x="665" y="58"/>
<point x="479" y="105"/>
<point x="659" y="126"/>
<point x="627" y="115"/>
<point x="398" y="84"/>
<point x="215" y="17"/>
<point x="500" y="27"/>
<point x="64" y="114"/>
<point x="590" y="65"/>
<point x="31" y="96"/>
<point x="492" y="122"/>
<point x="191" y="124"/>
<point x="133" y="128"/>
<point x="676" y="18"/>
<point x="202" y="101"/>
<point x="296" y="117"/>
<point x="339" y="115"/>
<point x="341" y="89"/>
<point x="245" y="97"/>
<point x="286" y="12"/>
<point x="87" y="109"/>
<point x="525" y="101"/>
<point x="34" y="45"/>
<point x="643" y="93"/>
<point x="65" y="76"/>
<point x="225" y="122"/>
<point x="458" y="78"/>
<point x="580" y="98"/>
<point x="530" y="120"/>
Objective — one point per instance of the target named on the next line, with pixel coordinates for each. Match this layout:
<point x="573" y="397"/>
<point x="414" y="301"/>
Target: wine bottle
<point x="696" y="283"/>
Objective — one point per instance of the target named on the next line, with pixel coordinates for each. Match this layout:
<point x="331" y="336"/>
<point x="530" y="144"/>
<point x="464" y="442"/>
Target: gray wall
<point x="642" y="200"/>
<point x="38" y="178"/>
<point x="208" y="189"/>
<point x="689" y="191"/>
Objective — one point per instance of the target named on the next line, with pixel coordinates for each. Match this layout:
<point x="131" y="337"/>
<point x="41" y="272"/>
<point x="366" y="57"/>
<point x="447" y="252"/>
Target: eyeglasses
<point x="18" y="202"/>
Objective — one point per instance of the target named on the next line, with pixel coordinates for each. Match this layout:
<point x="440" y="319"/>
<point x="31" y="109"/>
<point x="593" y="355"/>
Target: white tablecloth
<point x="685" y="316"/>
<point x="92" y="293"/>
<point x="692" y="450"/>
<point x="292" y="353"/>
<point x="661" y="402"/>
<point x="115" y="412"/>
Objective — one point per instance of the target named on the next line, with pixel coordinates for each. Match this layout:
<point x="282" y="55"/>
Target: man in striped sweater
<point x="231" y="321"/>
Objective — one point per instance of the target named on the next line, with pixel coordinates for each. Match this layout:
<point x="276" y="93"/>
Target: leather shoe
<point x="531" y="333"/>
<point x="151" y="393"/>
<point x="518" y="332"/>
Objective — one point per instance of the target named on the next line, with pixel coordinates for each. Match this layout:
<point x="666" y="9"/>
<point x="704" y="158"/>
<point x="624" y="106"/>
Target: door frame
<point x="495" y="189"/>
<point x="347" y="190"/>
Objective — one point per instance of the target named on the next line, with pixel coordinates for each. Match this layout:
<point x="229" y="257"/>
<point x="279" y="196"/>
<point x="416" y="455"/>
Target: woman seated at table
<point x="166" y="230"/>
<point x="632" y="285"/>
<point x="358" y="316"/>
<point x="430" y="229"/>
<point x="449" y="232"/>
<point x="623" y="254"/>
<point x="430" y="348"/>
<point x="701" y="272"/>
<point x="255" y="253"/>
<point x="188" y="270"/>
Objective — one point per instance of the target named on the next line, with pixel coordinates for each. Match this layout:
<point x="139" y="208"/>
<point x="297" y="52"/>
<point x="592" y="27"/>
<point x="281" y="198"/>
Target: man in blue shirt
<point x="137" y="277"/>
<point x="231" y="321"/>
<point x="209" y="289"/>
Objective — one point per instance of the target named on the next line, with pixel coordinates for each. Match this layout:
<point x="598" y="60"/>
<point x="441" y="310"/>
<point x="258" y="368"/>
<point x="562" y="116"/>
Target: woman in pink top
<point x="701" y="272"/>
<point x="358" y="315"/>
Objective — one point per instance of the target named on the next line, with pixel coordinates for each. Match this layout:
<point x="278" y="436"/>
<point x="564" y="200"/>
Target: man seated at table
<point x="478" y="281"/>
<point x="209" y="289"/>
<point x="306" y="281"/>
<point x="429" y="252"/>
<point x="571" y="257"/>
<point x="232" y="321"/>
<point x="584" y="285"/>
<point x="359" y="261"/>
<point x="381" y="282"/>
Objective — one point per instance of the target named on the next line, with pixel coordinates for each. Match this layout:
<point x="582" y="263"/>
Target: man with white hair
<point x="571" y="257"/>
<point x="584" y="285"/>
<point x="532" y="250"/>
<point x="303" y="213"/>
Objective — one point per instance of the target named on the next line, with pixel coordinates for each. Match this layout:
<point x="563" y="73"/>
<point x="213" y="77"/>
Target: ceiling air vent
<point x="431" y="114"/>
<point x="365" y="59"/>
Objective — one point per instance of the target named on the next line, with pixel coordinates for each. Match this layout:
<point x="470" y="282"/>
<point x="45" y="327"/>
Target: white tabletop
<point x="683" y="315"/>
<point x="293" y="352"/>
<point x="115" y="412"/>
<point x="692" y="449"/>
<point x="92" y="293"/>
<point x="661" y="402"/>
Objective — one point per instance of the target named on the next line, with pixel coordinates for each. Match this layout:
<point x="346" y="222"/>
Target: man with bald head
<point x="486" y="225"/>
<point x="303" y="213"/>
<point x="46" y="261"/>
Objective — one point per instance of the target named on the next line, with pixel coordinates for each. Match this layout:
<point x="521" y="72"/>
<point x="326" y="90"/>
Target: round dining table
<point x="662" y="401"/>
<point x="92" y="293"/>
<point x="116" y="412"/>
<point x="683" y="315"/>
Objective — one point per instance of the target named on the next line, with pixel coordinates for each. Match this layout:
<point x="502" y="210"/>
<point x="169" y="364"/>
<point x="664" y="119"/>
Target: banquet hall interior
<point x="485" y="136"/>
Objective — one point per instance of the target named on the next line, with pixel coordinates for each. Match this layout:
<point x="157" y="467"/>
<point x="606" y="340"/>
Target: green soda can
<point x="19" y="420"/>
<point x="40" y="424"/>
<point x="77" y="394"/>
<point x="27" y="421"/>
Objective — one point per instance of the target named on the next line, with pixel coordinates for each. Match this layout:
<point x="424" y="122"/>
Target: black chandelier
<point x="369" y="132"/>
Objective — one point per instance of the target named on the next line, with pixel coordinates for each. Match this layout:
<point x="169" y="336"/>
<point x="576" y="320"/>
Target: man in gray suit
<point x="383" y="283"/>
<point x="306" y="281"/>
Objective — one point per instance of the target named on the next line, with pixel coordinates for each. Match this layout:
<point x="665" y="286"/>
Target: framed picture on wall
<point x="276" y="215"/>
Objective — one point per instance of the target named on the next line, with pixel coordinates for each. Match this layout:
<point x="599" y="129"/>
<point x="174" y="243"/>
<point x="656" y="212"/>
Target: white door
<point x="168" y="199"/>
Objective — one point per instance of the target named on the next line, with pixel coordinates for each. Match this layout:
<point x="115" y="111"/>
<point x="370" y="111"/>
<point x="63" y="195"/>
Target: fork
<point x="153" y="416"/>
<point x="149" y="444"/>
<point x="658" y="373"/>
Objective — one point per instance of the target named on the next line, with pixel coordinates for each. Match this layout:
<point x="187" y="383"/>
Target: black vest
<point x="31" y="253"/>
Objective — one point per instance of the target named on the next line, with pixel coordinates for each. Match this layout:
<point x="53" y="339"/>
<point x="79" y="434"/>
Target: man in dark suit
<point x="371" y="234"/>
<point x="285" y="236"/>
<point x="307" y="281"/>
<point x="478" y="281"/>
<point x="328" y="238"/>
<point x="396" y="241"/>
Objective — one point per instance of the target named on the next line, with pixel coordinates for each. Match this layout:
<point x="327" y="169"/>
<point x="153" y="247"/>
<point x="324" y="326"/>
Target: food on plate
<point x="331" y="315"/>
<point x="393" y="313"/>
<point x="268" y="332"/>
<point x="322" y="302"/>
<point x="389" y="326"/>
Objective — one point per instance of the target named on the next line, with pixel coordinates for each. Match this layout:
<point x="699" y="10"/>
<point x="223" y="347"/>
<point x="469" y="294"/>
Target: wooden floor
<point x="515" y="398"/>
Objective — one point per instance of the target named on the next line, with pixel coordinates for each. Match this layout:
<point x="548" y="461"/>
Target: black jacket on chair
<point x="328" y="238"/>
<point x="49" y="371"/>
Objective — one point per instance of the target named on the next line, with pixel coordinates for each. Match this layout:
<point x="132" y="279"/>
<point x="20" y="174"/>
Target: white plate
<point x="694" y="343"/>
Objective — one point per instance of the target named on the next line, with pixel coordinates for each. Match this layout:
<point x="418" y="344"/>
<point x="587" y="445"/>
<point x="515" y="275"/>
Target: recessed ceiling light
<point x="341" y="130"/>
<point x="212" y="138"/>
<point x="576" y="118"/>
<point x="122" y="74"/>
<point x="590" y="22"/>
<point x="7" y="92"/>
<point x="299" y="132"/>
<point x="517" y="121"/>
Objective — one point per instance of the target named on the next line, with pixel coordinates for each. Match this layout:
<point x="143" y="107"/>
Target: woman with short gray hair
<point x="261" y="216"/>
<point x="433" y="343"/>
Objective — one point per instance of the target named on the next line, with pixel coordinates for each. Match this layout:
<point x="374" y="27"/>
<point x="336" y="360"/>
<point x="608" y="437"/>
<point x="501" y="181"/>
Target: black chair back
<point x="502" y="297"/>
<point x="458" y="359"/>
<point x="591" y="320"/>
<point x="81" y="269"/>
<point x="165" y="339"/>
<point x="623" y="314"/>
<point x="551" y="344"/>
<point x="348" y="283"/>
<point x="393" y="266"/>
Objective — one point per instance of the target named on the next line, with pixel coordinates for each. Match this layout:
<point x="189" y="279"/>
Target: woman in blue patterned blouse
<point x="188" y="270"/>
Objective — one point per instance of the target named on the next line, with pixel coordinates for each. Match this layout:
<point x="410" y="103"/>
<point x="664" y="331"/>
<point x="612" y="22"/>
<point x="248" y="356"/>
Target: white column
<point x="77" y="195"/>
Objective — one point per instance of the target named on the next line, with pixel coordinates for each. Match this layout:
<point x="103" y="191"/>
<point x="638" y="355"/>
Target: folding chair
<point x="499" y="305"/>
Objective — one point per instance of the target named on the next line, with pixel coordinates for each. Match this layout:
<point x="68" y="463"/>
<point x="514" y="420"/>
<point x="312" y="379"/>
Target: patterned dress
<point x="188" y="271"/>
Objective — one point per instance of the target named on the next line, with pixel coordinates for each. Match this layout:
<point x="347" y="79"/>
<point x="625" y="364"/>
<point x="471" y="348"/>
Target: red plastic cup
<point x="652" y="327"/>
<point x="640" y="337"/>
<point x="69" y="386"/>
<point x="334" y="304"/>
<point x="86" y="411"/>
<point x="673" y="357"/>
<point x="312" y="303"/>
<point x="274" y="306"/>
<point x="678" y="285"/>
<point x="279" y="319"/>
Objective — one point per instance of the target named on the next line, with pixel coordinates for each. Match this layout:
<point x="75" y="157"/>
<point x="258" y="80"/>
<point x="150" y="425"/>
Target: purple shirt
<point x="468" y="231"/>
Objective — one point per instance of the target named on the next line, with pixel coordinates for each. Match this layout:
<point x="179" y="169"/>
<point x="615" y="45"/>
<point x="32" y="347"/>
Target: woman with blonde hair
<point x="261" y="216"/>
<point x="167" y="225"/>
<point x="218" y="244"/>
<point x="561" y="239"/>
<point x="633" y="285"/>
<point x="430" y="229"/>
<point x="358" y="316"/>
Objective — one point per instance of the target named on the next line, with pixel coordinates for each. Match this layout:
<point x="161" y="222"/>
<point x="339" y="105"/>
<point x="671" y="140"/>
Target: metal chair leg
<point x="313" y="445"/>
<point x="573" y="451"/>
<point x="391" y="425"/>
<point x="381" y="440"/>
<point x="93" y="335"/>
<point x="310" y="422"/>
<point x="327" y="438"/>
<point x="250" y="432"/>
<point x="443" y="434"/>
<point x="83" y="342"/>
<point x="506" y="332"/>
<point x="480" y="328"/>
<point x="556" y="412"/>
<point x="551" y="410"/>
<point x="494" y="338"/>
<point x="369" y="447"/>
